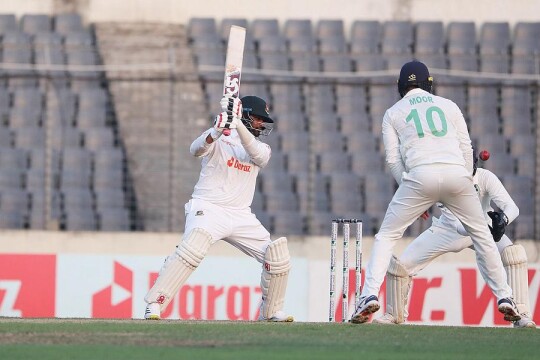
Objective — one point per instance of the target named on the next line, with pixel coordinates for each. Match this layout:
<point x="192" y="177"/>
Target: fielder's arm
<point x="464" y="138"/>
<point x="391" y="146"/>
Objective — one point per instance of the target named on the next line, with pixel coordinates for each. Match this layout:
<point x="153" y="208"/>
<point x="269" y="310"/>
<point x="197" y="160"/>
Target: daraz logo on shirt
<point x="232" y="162"/>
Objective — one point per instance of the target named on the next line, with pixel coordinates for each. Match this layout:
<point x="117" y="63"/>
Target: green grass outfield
<point x="173" y="339"/>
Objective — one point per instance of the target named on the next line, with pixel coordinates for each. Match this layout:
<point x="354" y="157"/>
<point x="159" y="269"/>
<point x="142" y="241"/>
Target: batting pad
<point x="274" y="277"/>
<point x="179" y="266"/>
<point x="514" y="260"/>
<point x="398" y="284"/>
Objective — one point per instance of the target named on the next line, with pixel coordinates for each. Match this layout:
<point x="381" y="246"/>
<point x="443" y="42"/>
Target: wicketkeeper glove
<point x="498" y="224"/>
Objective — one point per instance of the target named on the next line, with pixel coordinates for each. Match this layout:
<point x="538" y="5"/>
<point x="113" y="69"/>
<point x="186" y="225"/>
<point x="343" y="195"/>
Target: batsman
<point x="220" y="208"/>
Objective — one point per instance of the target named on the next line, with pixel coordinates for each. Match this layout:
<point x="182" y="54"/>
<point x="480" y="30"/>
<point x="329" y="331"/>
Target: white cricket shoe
<point x="508" y="307"/>
<point x="367" y="306"/>
<point x="152" y="312"/>
<point x="279" y="316"/>
<point x="525" y="322"/>
<point x="386" y="319"/>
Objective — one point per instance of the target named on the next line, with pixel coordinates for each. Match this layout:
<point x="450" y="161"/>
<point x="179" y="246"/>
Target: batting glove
<point x="232" y="105"/>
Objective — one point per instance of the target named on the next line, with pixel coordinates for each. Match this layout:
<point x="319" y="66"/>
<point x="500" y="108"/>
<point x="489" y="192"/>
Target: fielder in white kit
<point x="429" y="152"/>
<point x="447" y="234"/>
<point x="220" y="208"/>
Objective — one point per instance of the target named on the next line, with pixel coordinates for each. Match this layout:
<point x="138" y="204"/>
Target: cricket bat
<point x="233" y="64"/>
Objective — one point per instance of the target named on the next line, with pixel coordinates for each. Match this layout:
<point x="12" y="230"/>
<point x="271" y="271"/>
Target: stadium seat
<point x="297" y="162"/>
<point x="288" y="223"/>
<point x="281" y="201"/>
<point x="261" y="28"/>
<point x="67" y="22"/>
<point x="30" y="138"/>
<point x="79" y="219"/>
<point x="11" y="178"/>
<point x="397" y="37"/>
<point x="366" y="37"/>
<point x="109" y="198"/>
<point x="364" y="163"/>
<point x="333" y="45"/>
<point x="298" y="28"/>
<point x="273" y="182"/>
<point x="36" y="23"/>
<point x="117" y="219"/>
<point x="9" y="220"/>
<point x="368" y="62"/>
<point x="271" y="44"/>
<point x="201" y="27"/>
<point x="429" y="37"/>
<point x="89" y="118"/>
<point x="294" y="141"/>
<point x="303" y="63"/>
<point x="108" y="178"/>
<point x="336" y="63"/>
<point x="301" y="46"/>
<point x="331" y="162"/>
<point x="6" y="137"/>
<point x="8" y="23"/>
<point x="461" y="37"/>
<point x="16" y="159"/>
<point x="329" y="28"/>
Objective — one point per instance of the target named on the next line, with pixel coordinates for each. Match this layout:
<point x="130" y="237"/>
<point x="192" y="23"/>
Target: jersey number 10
<point x="413" y="115"/>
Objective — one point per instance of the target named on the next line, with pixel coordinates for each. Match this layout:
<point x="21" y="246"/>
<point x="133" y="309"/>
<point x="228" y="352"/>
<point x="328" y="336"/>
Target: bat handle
<point x="226" y="132"/>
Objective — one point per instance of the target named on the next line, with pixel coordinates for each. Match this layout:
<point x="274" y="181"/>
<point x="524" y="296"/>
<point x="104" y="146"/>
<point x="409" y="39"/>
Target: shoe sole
<point x="287" y="319"/>
<point x="377" y="321"/>
<point x="152" y="317"/>
<point x="364" y="315"/>
<point x="526" y="326"/>
<point x="509" y="313"/>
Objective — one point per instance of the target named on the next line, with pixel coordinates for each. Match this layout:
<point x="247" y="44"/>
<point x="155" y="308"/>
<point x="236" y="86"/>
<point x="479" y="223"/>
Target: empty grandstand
<point x="97" y="117"/>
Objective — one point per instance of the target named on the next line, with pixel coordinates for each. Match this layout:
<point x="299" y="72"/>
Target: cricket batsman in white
<point x="447" y="234"/>
<point x="220" y="208"/>
<point x="429" y="153"/>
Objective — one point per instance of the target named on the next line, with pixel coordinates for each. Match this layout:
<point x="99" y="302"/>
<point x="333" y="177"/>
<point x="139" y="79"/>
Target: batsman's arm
<point x="202" y="145"/>
<point x="259" y="152"/>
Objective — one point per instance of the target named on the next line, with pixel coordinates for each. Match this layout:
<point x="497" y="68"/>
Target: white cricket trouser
<point x="420" y="188"/>
<point x="439" y="239"/>
<point x="240" y="228"/>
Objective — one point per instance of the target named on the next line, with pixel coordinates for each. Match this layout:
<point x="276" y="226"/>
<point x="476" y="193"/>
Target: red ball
<point x="484" y="155"/>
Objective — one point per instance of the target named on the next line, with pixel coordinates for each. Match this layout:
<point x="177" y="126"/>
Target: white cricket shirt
<point x="228" y="174"/>
<point x="425" y="129"/>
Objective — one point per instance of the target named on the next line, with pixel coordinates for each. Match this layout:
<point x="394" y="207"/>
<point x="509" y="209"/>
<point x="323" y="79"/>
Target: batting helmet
<point x="254" y="105"/>
<point x="414" y="74"/>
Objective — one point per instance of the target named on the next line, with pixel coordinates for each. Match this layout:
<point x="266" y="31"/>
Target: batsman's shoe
<point x="367" y="306"/>
<point x="508" y="307"/>
<point x="152" y="312"/>
<point x="279" y="316"/>
<point x="525" y="322"/>
<point x="386" y="319"/>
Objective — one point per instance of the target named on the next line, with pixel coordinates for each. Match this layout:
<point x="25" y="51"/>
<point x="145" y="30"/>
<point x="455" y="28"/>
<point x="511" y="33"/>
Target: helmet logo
<point x="412" y="77"/>
<point x="266" y="109"/>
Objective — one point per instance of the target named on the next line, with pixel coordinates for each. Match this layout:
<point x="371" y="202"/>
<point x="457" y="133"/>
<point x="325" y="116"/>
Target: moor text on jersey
<point x="419" y="99"/>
